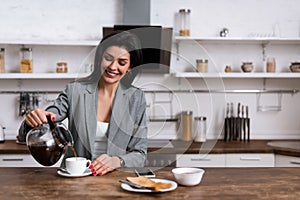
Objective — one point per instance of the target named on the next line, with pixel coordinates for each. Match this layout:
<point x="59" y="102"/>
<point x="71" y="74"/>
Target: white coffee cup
<point x="77" y="165"/>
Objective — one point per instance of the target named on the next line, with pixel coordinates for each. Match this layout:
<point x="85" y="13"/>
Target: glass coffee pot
<point x="48" y="143"/>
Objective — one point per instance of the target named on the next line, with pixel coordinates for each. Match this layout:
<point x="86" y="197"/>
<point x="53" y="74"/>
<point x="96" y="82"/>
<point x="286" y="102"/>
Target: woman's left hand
<point x="104" y="164"/>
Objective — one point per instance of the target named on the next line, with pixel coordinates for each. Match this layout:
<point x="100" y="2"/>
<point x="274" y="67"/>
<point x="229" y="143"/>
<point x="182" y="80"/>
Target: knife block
<point x="236" y="129"/>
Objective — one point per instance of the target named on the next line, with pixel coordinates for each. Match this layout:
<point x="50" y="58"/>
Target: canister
<point x="187" y="125"/>
<point x="184" y="22"/>
<point x="202" y="65"/>
<point x="26" y="60"/>
<point x="2" y="60"/>
<point x="200" y="129"/>
<point x="61" y="67"/>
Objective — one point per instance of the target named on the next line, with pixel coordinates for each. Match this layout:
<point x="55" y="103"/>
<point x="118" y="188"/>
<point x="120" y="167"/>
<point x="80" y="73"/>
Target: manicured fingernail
<point x="94" y="173"/>
<point x="100" y="173"/>
<point x="53" y="118"/>
<point x="91" y="166"/>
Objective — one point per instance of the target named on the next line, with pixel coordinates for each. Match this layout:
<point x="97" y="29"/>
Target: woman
<point x="106" y="114"/>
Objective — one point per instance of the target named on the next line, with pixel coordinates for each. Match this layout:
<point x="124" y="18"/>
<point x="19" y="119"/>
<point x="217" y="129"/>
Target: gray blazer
<point x="127" y="131"/>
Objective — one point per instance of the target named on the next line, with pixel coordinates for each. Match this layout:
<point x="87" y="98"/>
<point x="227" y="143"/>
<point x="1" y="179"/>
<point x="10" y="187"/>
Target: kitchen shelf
<point x="18" y="76"/>
<point x="236" y="75"/>
<point x="51" y="42"/>
<point x="281" y="91"/>
<point x="241" y="40"/>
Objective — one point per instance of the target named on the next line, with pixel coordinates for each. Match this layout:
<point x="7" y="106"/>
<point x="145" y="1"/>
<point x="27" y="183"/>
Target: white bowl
<point x="188" y="176"/>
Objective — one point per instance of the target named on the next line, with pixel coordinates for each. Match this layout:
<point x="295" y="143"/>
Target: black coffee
<point x="44" y="155"/>
<point x="74" y="152"/>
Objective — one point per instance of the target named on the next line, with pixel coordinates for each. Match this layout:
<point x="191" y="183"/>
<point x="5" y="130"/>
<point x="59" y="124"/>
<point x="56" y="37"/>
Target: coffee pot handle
<point x="50" y="122"/>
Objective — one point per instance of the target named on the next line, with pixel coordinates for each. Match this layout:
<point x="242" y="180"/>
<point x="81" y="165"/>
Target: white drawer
<point x="200" y="160"/>
<point x="250" y="160"/>
<point x="20" y="160"/>
<point x="286" y="161"/>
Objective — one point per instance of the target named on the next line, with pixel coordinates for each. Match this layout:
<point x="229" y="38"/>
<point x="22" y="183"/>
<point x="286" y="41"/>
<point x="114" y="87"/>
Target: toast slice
<point x="148" y="183"/>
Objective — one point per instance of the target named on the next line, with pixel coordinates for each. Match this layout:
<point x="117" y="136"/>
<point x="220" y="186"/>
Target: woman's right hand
<point x="38" y="117"/>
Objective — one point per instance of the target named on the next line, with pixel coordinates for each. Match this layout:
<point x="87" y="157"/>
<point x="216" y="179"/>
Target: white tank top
<point x="100" y="145"/>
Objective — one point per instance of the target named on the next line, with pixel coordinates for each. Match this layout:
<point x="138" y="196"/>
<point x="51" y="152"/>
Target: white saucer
<point x="66" y="174"/>
<point x="131" y="189"/>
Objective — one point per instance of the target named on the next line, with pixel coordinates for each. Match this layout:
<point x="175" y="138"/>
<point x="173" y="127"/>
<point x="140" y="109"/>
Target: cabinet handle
<point x="200" y="159"/>
<point x="250" y="158"/>
<point x="296" y="162"/>
<point x="12" y="159"/>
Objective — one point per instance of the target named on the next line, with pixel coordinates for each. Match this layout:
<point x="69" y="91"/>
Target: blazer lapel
<point x="90" y="113"/>
<point x="120" y="111"/>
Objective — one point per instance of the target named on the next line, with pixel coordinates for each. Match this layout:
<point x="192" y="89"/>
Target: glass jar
<point x="2" y="60"/>
<point x="186" y="123"/>
<point x="271" y="65"/>
<point x="26" y="60"/>
<point x="184" y="22"/>
<point x="202" y="65"/>
<point x="62" y="67"/>
<point x="200" y="129"/>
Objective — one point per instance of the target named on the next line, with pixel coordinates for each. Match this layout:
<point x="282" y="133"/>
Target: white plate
<point x="65" y="174"/>
<point x="132" y="189"/>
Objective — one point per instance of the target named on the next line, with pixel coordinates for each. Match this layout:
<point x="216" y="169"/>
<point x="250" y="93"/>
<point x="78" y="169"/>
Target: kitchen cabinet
<point x="250" y="160"/>
<point x="20" y="160"/>
<point x="160" y="160"/>
<point x="200" y="160"/>
<point x="286" y="161"/>
<point x="226" y="160"/>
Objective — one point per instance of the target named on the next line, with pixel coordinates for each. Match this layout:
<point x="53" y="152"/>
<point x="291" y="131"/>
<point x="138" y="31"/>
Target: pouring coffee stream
<point x="48" y="144"/>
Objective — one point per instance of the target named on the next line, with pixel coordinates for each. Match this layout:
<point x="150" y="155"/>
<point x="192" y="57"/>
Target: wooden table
<point x="217" y="183"/>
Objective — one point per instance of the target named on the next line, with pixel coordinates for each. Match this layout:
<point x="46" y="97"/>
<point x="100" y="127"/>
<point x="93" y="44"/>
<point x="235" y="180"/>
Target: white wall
<point x="83" y="20"/>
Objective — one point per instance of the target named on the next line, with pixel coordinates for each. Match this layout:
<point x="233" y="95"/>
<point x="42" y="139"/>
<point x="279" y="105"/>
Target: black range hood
<point x="156" y="41"/>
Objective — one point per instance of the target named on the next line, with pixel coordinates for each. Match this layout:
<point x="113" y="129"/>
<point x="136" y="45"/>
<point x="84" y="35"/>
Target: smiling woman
<point x="106" y="114"/>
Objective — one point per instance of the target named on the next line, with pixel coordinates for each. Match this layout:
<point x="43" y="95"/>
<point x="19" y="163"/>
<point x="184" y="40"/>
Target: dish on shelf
<point x="247" y="66"/>
<point x="295" y="67"/>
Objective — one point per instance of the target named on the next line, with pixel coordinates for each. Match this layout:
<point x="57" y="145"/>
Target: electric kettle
<point x="48" y="143"/>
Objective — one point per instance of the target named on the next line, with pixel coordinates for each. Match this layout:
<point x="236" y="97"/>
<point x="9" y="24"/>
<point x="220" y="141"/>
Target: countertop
<point x="217" y="183"/>
<point x="291" y="147"/>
